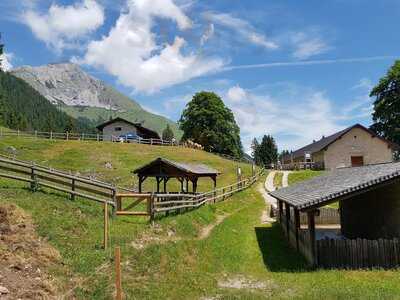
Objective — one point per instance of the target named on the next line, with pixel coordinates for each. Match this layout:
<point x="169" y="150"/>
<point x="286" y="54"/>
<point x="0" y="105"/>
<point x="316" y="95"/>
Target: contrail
<point x="309" y="62"/>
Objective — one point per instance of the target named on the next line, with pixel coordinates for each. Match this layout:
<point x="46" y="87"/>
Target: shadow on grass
<point x="278" y="256"/>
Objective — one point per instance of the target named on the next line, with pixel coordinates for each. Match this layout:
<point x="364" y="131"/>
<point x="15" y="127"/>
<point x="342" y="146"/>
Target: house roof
<point x="338" y="184"/>
<point x="192" y="169"/>
<point x="137" y="125"/>
<point x="326" y="141"/>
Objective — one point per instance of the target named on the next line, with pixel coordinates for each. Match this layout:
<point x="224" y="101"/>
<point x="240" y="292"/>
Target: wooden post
<point x="151" y="141"/>
<point x="118" y="284"/>
<point x="297" y="225"/>
<point x="73" y="189"/>
<point x="51" y="135"/>
<point x="18" y="132"/>
<point x="114" y="199"/>
<point x="67" y="135"/>
<point x="34" y="183"/>
<point x="119" y="203"/>
<point x="98" y="137"/>
<point x="105" y="240"/>
<point x="83" y="136"/>
<point x="280" y="207"/>
<point x="35" y="134"/>
<point x="311" y="229"/>
<point x="287" y="214"/>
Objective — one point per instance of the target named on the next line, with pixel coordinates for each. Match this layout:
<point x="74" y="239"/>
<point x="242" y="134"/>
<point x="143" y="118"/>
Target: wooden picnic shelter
<point x="163" y="170"/>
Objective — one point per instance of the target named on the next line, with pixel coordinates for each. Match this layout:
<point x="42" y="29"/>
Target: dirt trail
<point x="25" y="258"/>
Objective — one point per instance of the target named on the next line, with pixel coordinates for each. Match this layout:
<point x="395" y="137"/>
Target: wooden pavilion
<point x="164" y="169"/>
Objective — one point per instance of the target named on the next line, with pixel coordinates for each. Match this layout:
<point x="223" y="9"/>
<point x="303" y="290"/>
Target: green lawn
<point x="178" y="265"/>
<point x="278" y="179"/>
<point x="298" y="176"/>
<point x="90" y="158"/>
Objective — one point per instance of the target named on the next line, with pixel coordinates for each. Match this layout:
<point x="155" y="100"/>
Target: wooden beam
<point x="287" y="213"/>
<point x="297" y="225"/>
<point x="311" y="229"/>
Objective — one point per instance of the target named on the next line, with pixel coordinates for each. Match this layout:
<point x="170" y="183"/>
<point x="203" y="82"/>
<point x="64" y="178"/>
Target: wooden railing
<point x="40" y="176"/>
<point x="177" y="201"/>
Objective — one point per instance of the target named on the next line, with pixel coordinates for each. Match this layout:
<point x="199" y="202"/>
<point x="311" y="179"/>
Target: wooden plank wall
<point x="358" y="253"/>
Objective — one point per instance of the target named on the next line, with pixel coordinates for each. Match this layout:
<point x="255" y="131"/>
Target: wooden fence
<point x="358" y="253"/>
<point x="179" y="202"/>
<point x="39" y="176"/>
<point x="70" y="136"/>
<point x="327" y="216"/>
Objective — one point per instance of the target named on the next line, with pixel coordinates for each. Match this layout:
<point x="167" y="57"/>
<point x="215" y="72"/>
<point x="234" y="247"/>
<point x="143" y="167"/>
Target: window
<point x="118" y="128"/>
<point x="357" y="161"/>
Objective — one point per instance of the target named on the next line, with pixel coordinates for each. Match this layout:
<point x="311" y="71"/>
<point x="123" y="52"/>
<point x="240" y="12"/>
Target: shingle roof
<point x="326" y="141"/>
<point x="197" y="169"/>
<point x="337" y="184"/>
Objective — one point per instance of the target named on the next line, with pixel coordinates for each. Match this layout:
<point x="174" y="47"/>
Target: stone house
<point x="353" y="146"/>
<point x="114" y="128"/>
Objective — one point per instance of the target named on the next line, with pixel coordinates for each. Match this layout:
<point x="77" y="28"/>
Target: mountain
<point x="22" y="107"/>
<point x="79" y="94"/>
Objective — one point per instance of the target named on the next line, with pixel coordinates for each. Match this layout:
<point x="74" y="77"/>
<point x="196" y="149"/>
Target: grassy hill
<point x="220" y="251"/>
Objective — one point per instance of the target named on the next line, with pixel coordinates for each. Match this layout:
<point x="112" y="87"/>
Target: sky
<point x="297" y="70"/>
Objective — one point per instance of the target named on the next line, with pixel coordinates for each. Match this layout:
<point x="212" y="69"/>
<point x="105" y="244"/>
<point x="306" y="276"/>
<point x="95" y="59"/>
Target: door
<point x="357" y="161"/>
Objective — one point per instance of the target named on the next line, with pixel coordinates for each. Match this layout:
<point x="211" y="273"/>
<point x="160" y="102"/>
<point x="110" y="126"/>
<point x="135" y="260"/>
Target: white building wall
<point x="357" y="142"/>
<point x="110" y="130"/>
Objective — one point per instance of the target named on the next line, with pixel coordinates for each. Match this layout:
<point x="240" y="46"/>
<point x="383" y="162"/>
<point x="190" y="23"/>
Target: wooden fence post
<point x="51" y="135"/>
<point x="151" y="141"/>
<point x="98" y="137"/>
<point x="35" y="134"/>
<point x="67" y="135"/>
<point x="114" y="199"/>
<point x="105" y="240"/>
<point x="34" y="183"/>
<point x="118" y="285"/>
<point x="73" y="189"/>
<point x="83" y="136"/>
<point x="18" y="132"/>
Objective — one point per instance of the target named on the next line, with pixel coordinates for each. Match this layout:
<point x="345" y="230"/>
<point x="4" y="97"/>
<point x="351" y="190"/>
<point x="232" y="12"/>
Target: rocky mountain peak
<point x="66" y="83"/>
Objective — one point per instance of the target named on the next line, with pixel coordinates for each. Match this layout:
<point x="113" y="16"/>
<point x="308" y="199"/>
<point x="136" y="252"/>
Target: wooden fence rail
<point x="42" y="176"/>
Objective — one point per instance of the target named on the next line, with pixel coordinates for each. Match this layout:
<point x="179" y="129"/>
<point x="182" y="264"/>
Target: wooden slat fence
<point x="74" y="185"/>
<point x="358" y="253"/>
<point x="326" y="216"/>
<point x="179" y="202"/>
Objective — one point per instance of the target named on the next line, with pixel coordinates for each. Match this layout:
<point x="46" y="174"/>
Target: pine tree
<point x="1" y="53"/>
<point x="167" y="134"/>
<point x="268" y="151"/>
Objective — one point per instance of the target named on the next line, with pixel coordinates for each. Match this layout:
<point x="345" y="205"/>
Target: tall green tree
<point x="207" y="121"/>
<point x="255" y="152"/>
<point x="167" y="134"/>
<point x="386" y="114"/>
<point x="268" y="151"/>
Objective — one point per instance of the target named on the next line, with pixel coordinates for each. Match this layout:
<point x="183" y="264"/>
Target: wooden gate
<point x="136" y="200"/>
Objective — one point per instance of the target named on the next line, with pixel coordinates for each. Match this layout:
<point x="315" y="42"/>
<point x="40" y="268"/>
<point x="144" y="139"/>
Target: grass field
<point x="239" y="259"/>
<point x="298" y="176"/>
<point x="220" y="251"/>
<point x="90" y="158"/>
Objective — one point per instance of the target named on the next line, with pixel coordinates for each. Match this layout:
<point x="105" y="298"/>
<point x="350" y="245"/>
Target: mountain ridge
<point x="79" y="94"/>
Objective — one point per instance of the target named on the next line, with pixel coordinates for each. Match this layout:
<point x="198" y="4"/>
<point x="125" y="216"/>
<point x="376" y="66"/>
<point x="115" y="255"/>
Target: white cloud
<point x="296" y="122"/>
<point x="61" y="26"/>
<point x="130" y="51"/>
<point x="6" y="61"/>
<point x="242" y="27"/>
<point x="208" y="34"/>
<point x="307" y="45"/>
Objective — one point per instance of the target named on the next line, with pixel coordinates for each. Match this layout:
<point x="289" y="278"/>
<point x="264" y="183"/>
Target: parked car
<point x="131" y="136"/>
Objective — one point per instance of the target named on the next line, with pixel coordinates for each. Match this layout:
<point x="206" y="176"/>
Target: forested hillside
<point x="22" y="107"/>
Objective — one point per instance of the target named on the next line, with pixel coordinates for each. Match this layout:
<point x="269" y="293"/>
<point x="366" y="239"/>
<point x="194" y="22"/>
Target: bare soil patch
<point x="25" y="258"/>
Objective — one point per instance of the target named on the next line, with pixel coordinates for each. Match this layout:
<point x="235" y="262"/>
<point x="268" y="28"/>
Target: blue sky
<point x="294" y="69"/>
